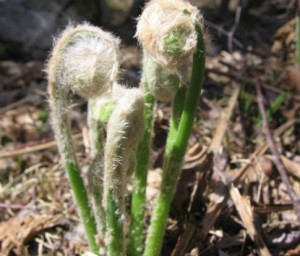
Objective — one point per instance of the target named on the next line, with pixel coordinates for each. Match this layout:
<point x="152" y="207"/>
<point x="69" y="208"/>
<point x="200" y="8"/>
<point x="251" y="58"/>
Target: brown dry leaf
<point x="15" y="232"/>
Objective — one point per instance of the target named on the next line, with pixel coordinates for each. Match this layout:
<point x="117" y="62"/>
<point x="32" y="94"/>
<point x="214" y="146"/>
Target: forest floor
<point x="230" y="199"/>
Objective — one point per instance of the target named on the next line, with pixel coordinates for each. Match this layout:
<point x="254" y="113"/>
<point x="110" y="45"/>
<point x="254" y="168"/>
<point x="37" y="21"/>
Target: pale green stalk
<point x="61" y="123"/>
<point x="173" y="157"/>
<point x="124" y="131"/>
<point x="162" y="84"/>
<point x="177" y="107"/>
<point x="84" y="61"/>
<point x="99" y="111"/>
<point x="140" y="179"/>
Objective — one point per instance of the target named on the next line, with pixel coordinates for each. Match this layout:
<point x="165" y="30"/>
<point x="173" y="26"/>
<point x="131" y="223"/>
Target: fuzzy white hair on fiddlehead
<point x="85" y="60"/>
<point x="163" y="83"/>
<point x="166" y="31"/>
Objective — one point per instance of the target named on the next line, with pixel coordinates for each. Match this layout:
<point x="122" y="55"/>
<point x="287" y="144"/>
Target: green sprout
<point x="85" y="61"/>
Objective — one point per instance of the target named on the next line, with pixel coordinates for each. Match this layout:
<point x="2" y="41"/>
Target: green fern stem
<point x="99" y="111"/>
<point x="173" y="158"/>
<point x="140" y="179"/>
<point x="59" y="105"/>
<point x="115" y="231"/>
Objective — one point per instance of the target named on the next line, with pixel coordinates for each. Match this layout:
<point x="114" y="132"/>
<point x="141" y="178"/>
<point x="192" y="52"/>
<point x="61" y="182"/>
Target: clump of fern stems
<point x="85" y="61"/>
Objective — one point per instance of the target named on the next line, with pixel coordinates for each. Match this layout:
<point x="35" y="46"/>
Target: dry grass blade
<point x="185" y="240"/>
<point x="223" y="124"/>
<point x="244" y="209"/>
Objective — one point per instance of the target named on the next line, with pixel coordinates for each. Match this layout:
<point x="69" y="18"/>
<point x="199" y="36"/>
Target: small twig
<point x="276" y="155"/>
<point x="12" y="206"/>
<point x="15" y="104"/>
<point x="239" y="78"/>
<point x="225" y="33"/>
<point x="262" y="208"/>
<point x="234" y="27"/>
<point x="32" y="149"/>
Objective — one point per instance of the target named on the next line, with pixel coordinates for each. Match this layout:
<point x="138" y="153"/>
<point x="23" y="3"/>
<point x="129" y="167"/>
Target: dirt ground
<point x="231" y="199"/>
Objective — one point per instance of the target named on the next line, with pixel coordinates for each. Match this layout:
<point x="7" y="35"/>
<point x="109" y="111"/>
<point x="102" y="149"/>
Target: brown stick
<point x="223" y="123"/>
<point x="237" y="77"/>
<point x="32" y="149"/>
<point x="276" y="155"/>
<point x="234" y="27"/>
<point x="222" y="31"/>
